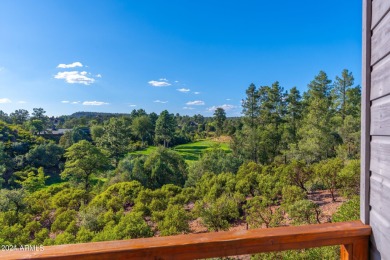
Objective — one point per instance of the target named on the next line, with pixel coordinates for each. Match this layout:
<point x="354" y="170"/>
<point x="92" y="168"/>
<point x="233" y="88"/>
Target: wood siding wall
<point x="375" y="188"/>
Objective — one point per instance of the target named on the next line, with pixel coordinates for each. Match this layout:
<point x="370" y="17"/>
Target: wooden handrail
<point x="352" y="236"/>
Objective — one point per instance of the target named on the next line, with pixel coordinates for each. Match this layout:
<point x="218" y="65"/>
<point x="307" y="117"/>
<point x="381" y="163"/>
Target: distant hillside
<point x="95" y="114"/>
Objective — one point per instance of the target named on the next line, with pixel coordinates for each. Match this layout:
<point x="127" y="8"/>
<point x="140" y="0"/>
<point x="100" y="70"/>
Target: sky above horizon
<point x="188" y="57"/>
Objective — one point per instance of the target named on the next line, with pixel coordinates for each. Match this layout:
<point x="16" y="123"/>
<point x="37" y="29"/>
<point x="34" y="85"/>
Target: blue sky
<point x="185" y="56"/>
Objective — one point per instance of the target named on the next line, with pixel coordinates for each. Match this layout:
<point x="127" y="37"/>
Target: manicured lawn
<point x="147" y="151"/>
<point x="191" y="152"/>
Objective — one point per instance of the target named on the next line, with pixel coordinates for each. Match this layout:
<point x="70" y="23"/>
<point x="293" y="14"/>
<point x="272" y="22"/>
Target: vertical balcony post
<point x="357" y="250"/>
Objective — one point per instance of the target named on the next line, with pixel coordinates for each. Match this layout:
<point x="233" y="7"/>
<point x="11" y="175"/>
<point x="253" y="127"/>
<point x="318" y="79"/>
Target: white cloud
<point x="188" y="108"/>
<point x="156" y="83"/>
<point x="22" y="102"/>
<point x="196" y="93"/>
<point x="159" y="101"/>
<point x="132" y="105"/>
<point x="73" y="77"/>
<point x="65" y="101"/>
<point x="195" y="103"/>
<point x="76" y="102"/>
<point x="72" y="65"/>
<point x="94" y="103"/>
<point x="183" y="90"/>
<point x="225" y="107"/>
<point x="163" y="79"/>
<point x="99" y="75"/>
<point x="5" y="100"/>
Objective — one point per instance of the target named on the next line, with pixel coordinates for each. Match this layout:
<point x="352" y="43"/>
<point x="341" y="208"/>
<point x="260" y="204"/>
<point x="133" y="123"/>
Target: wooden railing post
<point x="357" y="250"/>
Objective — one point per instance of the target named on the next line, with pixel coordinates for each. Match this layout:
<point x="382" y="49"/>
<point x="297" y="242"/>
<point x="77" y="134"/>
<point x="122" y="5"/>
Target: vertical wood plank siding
<point x="375" y="207"/>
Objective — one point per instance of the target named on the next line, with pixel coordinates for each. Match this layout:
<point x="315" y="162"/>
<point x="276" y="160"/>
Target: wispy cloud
<point x="196" y="93"/>
<point x="159" y="101"/>
<point x="71" y="65"/>
<point x="163" y="79"/>
<point x="228" y="99"/>
<point x="225" y="107"/>
<point x="75" y="102"/>
<point x="75" y="77"/>
<point x="132" y="105"/>
<point x="188" y="108"/>
<point x="1" y="69"/>
<point x="183" y="90"/>
<point x="5" y="100"/>
<point x="176" y="81"/>
<point x="94" y="103"/>
<point x="99" y="75"/>
<point x="155" y="83"/>
<point x="65" y="101"/>
<point x="195" y="103"/>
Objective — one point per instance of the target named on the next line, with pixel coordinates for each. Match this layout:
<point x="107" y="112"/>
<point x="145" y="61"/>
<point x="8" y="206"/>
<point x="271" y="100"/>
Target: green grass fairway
<point x="191" y="152"/>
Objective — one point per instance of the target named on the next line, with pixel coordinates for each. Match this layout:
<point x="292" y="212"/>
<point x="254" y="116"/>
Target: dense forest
<point x="122" y="176"/>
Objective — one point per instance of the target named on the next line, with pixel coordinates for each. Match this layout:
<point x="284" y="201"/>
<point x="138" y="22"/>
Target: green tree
<point x="261" y="210"/>
<point x="247" y="140"/>
<point x="45" y="155"/>
<point x="165" y="128"/>
<point x="165" y="166"/>
<point x="132" y="225"/>
<point x="328" y="171"/>
<point x="4" y="116"/>
<point x="142" y="127"/>
<point x="250" y="106"/>
<point x="217" y="214"/>
<point x="19" y="116"/>
<point x="215" y="161"/>
<point x="82" y="161"/>
<point x="3" y="163"/>
<point x="219" y="119"/>
<point x="349" y="178"/>
<point x="97" y="131"/>
<point x="297" y="173"/>
<point x="293" y="114"/>
<point x="350" y="210"/>
<point x="304" y="212"/>
<point x="34" y="181"/>
<point x="341" y="86"/>
<point x="36" y="126"/>
<point x="75" y="135"/>
<point x="317" y="141"/>
<point x="12" y="200"/>
<point x="175" y="221"/>
<point x="39" y="114"/>
<point x="116" y="138"/>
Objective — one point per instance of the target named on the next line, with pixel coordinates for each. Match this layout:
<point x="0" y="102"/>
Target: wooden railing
<point x="352" y="236"/>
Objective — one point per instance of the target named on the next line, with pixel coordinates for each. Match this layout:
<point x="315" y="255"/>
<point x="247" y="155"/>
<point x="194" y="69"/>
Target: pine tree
<point x="316" y="132"/>
<point x="341" y="86"/>
<point x="165" y="128"/>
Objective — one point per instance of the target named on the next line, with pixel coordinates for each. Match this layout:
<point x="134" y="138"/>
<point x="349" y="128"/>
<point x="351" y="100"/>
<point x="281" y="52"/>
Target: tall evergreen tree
<point x="250" y="105"/>
<point x="293" y="114"/>
<point x="219" y="118"/>
<point x="165" y="128"/>
<point x="341" y="86"/>
<point x="317" y="141"/>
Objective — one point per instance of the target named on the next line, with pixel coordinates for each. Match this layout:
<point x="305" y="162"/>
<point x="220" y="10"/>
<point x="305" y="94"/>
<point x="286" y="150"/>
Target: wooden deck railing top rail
<point x="352" y="236"/>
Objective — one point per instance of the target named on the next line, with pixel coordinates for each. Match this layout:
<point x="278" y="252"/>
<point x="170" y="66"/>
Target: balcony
<point x="352" y="236"/>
